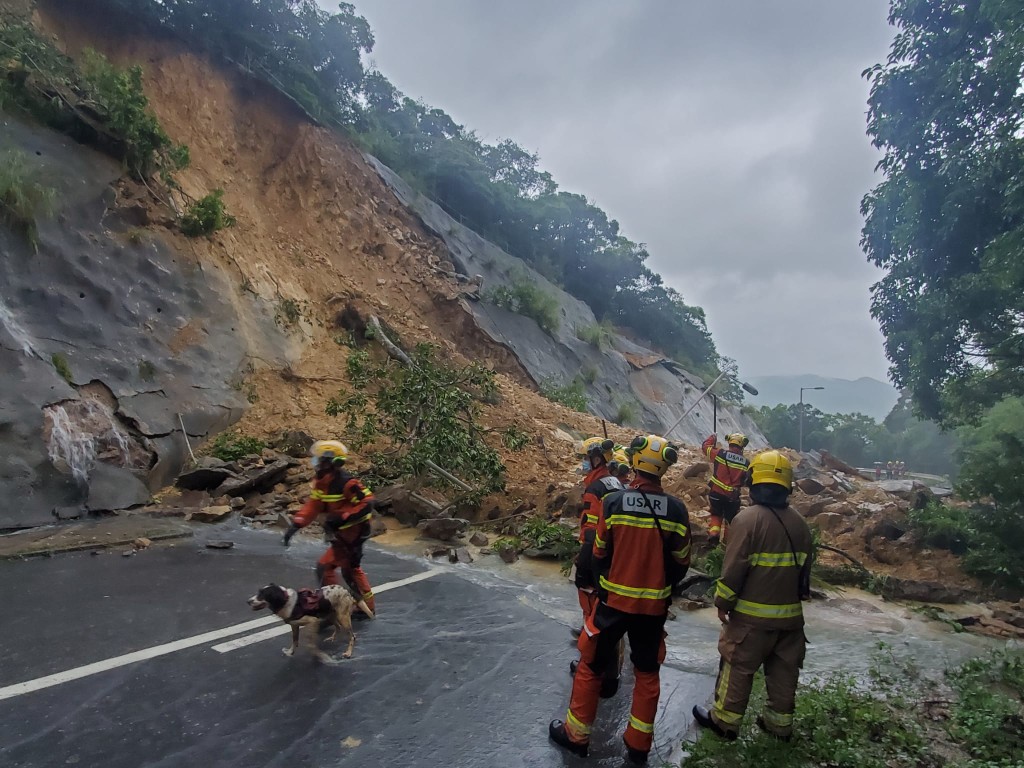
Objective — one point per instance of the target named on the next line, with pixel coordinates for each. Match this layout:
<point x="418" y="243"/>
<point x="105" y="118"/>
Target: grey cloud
<point x="728" y="136"/>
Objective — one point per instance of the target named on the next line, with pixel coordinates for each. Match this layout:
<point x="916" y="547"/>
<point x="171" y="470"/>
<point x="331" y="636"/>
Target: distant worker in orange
<point x="641" y="550"/>
<point x="348" y="506"/>
<point x="890" y="467"/>
<point x="728" y="475"/>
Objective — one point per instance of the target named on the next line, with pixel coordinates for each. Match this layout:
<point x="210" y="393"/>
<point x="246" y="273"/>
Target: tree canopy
<point x="947" y="222"/>
<point x="498" y="189"/>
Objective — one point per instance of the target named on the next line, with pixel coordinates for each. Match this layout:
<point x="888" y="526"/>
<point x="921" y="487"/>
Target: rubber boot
<point x="556" y="732"/>
<point x="704" y="720"/>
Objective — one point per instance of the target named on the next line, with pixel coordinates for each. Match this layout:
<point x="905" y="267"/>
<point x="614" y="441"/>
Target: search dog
<point x="310" y="609"/>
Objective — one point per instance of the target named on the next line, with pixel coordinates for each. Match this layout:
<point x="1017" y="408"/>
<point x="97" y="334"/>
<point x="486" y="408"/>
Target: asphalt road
<point x="454" y="672"/>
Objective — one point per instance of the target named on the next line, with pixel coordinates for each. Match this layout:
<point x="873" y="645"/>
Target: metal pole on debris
<point x="604" y="427"/>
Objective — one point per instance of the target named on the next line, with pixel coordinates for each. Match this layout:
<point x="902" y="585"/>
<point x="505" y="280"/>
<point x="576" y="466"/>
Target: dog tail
<point x="362" y="606"/>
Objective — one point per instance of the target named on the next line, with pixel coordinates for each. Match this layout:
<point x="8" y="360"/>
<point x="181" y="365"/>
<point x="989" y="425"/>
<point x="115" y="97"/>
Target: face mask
<point x="586" y="465"/>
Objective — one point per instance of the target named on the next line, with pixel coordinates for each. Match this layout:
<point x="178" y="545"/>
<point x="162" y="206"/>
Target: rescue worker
<point x="348" y="506"/>
<point x="619" y="465"/>
<point x="641" y="551"/>
<point x="766" y="573"/>
<point x="596" y="455"/>
<point x="889" y="470"/>
<point x="728" y="476"/>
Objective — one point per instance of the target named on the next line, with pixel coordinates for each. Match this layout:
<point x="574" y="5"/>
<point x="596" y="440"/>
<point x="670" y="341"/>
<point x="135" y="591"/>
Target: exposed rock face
<point x="103" y="343"/>
<point x="661" y="388"/>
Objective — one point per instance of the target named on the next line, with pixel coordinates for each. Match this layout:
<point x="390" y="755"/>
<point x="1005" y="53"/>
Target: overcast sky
<point x="728" y="135"/>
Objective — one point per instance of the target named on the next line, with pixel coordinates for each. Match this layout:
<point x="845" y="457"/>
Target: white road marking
<point x="284" y="629"/>
<point x="30" y="686"/>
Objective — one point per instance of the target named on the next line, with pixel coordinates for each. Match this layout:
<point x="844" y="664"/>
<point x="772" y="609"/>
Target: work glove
<point x="292" y="530"/>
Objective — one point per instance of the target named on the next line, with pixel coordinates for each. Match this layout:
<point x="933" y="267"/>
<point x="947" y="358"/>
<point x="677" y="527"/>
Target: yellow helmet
<point x="772" y="467"/>
<point x="620" y="456"/>
<point x="737" y="438"/>
<point x="652" y="454"/>
<point x="328" y="449"/>
<point x="600" y="445"/>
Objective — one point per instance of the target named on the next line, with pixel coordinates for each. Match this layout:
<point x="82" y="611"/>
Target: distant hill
<point x="868" y="396"/>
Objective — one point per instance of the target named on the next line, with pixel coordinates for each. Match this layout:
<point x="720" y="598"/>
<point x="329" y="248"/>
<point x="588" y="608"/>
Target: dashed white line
<point x="29" y="686"/>
<point x="283" y="629"/>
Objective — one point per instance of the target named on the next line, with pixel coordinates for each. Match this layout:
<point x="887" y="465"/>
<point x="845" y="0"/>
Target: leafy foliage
<point x="947" y="222"/>
<point x="232" y="447"/>
<point x="526" y="298"/>
<point x="425" y="412"/>
<point x="514" y="438"/>
<point x="571" y="395"/>
<point x="206" y="216"/>
<point x="598" y="335"/>
<point x="23" y="197"/>
<point x="42" y="81"/>
<point x="988" y="717"/>
<point x="147" y="147"/>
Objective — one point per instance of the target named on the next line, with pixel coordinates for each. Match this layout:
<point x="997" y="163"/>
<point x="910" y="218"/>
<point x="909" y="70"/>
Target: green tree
<point x="947" y="222"/>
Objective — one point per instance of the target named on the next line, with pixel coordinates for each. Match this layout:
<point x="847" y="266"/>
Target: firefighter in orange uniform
<point x="596" y="454"/>
<point x="348" y="506"/>
<point x="641" y="550"/>
<point x="728" y="473"/>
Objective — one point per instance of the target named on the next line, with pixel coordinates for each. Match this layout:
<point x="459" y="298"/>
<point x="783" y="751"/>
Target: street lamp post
<point x="802" y="389"/>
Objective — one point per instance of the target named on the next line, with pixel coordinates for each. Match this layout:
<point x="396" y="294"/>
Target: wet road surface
<point x="463" y="667"/>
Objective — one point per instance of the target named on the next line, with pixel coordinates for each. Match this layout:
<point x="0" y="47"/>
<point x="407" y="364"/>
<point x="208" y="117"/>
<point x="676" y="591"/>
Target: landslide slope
<point x="317" y="230"/>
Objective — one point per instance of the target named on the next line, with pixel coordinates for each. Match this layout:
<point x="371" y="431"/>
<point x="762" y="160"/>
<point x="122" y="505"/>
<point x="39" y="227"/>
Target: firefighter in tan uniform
<point x="765" y="575"/>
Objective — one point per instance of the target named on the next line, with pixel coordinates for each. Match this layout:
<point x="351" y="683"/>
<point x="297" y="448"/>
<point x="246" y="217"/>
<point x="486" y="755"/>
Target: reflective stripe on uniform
<point x="766" y="611"/>
<point x="682" y="553"/>
<point x="573" y="723"/>
<point x="588" y="518"/>
<point x="331" y="497"/>
<point x="646" y="522"/>
<point x="721" y="713"/>
<point x="637" y="592"/>
<point x="640" y="725"/>
<point x="777" y="559"/>
<point x="777" y="719"/>
<point x="599" y="542"/>
<point x="723" y="591"/>
<point x="722" y="485"/>
<point x="316" y="495"/>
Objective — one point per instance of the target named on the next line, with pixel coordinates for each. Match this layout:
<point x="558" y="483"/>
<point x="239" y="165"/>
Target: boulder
<point x="840" y="508"/>
<point x="112" y="488"/>
<point x="260" y="478"/>
<point x="1014" y="617"/>
<point x="810" y="486"/>
<point x="916" y="494"/>
<point x="237" y="502"/>
<point x="886" y="528"/>
<point x="443" y="528"/>
<point x="508" y="555"/>
<point x="830" y="522"/>
<point x="69" y="513"/>
<point x="924" y="591"/>
<point x="812" y="509"/>
<point x="210" y="514"/>
<point x="220" y="544"/>
<point x="460" y="555"/>
<point x="698" y="469"/>
<point x="478" y="539"/>
<point x="695" y="587"/>
<point x="209" y="473"/>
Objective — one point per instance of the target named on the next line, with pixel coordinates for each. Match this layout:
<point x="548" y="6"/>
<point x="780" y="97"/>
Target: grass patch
<point x="598" y="335"/>
<point x="232" y="447"/>
<point x="60" y="365"/>
<point x="524" y="298"/>
<point x="571" y="395"/>
<point x="627" y="413"/>
<point x="23" y="197"/>
<point x="288" y="312"/>
<point x="206" y="216"/>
